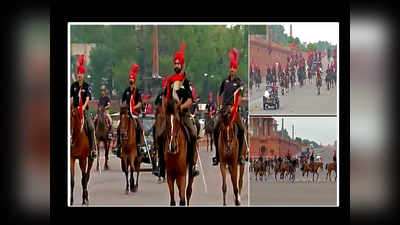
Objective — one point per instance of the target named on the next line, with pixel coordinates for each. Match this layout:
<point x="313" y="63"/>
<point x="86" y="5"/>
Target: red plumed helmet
<point x="134" y="69"/>
<point x="234" y="56"/>
<point x="180" y="55"/>
<point x="81" y="67"/>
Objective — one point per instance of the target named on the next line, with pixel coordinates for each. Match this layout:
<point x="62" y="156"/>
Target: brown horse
<point x="102" y="132"/>
<point x="292" y="170"/>
<point x="314" y="169"/>
<point x="228" y="150"/>
<point x="306" y="168"/>
<point x="259" y="169"/>
<point x="176" y="153"/>
<point x="277" y="168"/>
<point x="79" y="151"/>
<point x="158" y="130"/>
<point x="330" y="167"/>
<point x="129" y="155"/>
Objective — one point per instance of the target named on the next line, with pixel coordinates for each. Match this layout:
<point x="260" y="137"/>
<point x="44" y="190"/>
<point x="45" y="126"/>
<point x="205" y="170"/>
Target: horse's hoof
<point x="172" y="203"/>
<point x="127" y="192"/>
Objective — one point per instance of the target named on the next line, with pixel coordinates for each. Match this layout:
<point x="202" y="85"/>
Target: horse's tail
<point x="326" y="166"/>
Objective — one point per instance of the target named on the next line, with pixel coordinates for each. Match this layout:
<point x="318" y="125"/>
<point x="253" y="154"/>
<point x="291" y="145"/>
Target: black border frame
<point x="59" y="210"/>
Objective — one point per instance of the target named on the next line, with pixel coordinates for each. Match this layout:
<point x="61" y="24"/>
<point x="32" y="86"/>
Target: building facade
<point x="266" y="141"/>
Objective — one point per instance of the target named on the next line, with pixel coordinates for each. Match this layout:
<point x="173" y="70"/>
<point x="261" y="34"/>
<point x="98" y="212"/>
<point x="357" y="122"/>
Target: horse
<point x="129" y="155"/>
<point x="319" y="84"/>
<point x="292" y="165"/>
<point x="158" y="130"/>
<point x="314" y="169"/>
<point x="279" y="169"/>
<point x="306" y="168"/>
<point x="102" y="131"/>
<point x="228" y="150"/>
<point x="330" y="167"/>
<point x="259" y="169"/>
<point x="176" y="153"/>
<point x="79" y="151"/>
<point x="209" y="129"/>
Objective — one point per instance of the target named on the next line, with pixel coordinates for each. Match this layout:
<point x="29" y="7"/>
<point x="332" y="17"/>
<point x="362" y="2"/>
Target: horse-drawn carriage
<point x="270" y="97"/>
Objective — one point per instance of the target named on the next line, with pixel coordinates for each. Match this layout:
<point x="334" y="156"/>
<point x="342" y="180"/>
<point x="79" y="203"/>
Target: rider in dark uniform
<point x="81" y="94"/>
<point x="226" y="99"/>
<point x="127" y="98"/>
<point x="194" y="107"/>
<point x="312" y="159"/>
<point x="105" y="102"/>
<point x="180" y="90"/>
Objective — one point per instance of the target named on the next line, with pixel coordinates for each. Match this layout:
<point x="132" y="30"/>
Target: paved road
<point x="300" y="100"/>
<point x="108" y="188"/>
<point x="302" y="192"/>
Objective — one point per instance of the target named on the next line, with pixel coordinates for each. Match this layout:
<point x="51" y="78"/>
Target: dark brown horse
<point x="129" y="155"/>
<point x="259" y="170"/>
<point x="330" y="167"/>
<point x="102" y="131"/>
<point x="79" y="151"/>
<point x="306" y="168"/>
<point x="228" y="150"/>
<point x="176" y="153"/>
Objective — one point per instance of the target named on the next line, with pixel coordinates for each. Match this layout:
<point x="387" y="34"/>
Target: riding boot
<point x="118" y="151"/>
<point x="192" y="166"/>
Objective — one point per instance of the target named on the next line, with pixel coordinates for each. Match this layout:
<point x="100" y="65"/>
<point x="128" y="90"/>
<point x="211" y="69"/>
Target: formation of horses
<point x="301" y="75"/>
<point x="285" y="171"/>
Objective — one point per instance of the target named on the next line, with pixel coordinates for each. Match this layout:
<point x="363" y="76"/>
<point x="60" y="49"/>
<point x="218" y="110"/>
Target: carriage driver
<point x="226" y="99"/>
<point x="81" y="94"/>
<point x="105" y="102"/>
<point x="132" y="98"/>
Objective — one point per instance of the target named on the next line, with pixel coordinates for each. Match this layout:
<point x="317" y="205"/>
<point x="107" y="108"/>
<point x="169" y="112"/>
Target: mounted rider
<point x="179" y="90"/>
<point x="194" y="108"/>
<point x="229" y="98"/>
<point x="133" y="100"/>
<point x="312" y="159"/>
<point x="81" y="94"/>
<point x="105" y="102"/>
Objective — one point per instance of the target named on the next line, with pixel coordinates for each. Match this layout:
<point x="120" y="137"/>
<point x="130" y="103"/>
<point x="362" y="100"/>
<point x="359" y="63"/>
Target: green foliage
<point x="207" y="47"/>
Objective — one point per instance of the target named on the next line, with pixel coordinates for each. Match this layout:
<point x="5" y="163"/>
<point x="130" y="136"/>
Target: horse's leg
<point x="82" y="165"/>
<point x="241" y="168"/>
<point x="107" y="148"/>
<point x="132" y="179"/>
<point x="181" y="182"/>
<point x="124" y="165"/>
<point x="223" y="173"/>
<point x="72" y="168"/>
<point x="137" y="168"/>
<point x="189" y="189"/>
<point x="170" y="180"/>
<point x="234" y="179"/>
<point x="98" y="154"/>
<point x="87" y="177"/>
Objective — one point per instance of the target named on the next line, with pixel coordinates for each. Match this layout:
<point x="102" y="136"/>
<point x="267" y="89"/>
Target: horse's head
<point x="75" y="122"/>
<point x="228" y="129"/>
<point x="124" y="123"/>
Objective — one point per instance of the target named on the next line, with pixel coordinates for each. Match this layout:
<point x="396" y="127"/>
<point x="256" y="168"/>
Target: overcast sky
<point x="318" y="129"/>
<point x="313" y="32"/>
